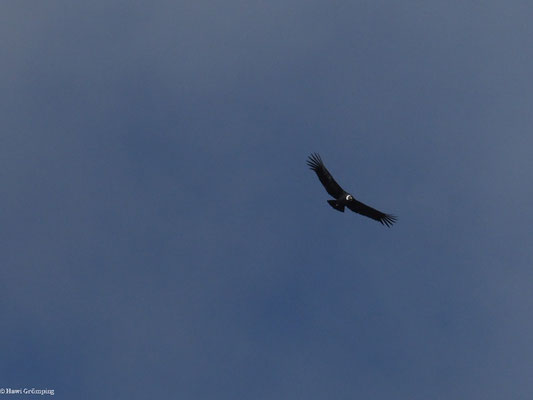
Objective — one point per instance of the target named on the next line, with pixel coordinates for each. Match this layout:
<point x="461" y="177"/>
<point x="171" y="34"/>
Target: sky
<point x="163" y="237"/>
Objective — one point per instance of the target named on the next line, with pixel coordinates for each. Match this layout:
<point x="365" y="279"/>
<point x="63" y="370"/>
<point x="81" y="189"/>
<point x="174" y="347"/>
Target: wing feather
<point x="367" y="211"/>
<point x="332" y="187"/>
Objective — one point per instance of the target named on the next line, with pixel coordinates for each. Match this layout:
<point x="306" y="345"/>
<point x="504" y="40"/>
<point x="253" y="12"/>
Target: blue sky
<point x="162" y="235"/>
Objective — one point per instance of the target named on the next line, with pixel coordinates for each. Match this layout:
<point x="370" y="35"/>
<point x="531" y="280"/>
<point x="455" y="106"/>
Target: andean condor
<point x="343" y="198"/>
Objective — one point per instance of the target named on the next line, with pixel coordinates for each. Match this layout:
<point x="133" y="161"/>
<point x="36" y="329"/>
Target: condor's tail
<point x="336" y="206"/>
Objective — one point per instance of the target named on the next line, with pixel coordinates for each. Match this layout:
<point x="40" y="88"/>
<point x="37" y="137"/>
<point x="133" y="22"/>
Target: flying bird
<point x="343" y="198"/>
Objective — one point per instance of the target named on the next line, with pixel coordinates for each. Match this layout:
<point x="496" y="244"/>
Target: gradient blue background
<point x="162" y="236"/>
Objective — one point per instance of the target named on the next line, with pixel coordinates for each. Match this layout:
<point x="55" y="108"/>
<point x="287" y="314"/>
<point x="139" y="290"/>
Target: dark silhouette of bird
<point x="343" y="198"/>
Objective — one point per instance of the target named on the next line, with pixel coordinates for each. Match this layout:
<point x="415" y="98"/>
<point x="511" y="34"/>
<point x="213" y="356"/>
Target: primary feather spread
<point x="343" y="198"/>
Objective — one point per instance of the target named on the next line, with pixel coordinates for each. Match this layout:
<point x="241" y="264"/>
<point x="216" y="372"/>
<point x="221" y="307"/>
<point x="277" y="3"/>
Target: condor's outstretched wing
<point x="333" y="188"/>
<point x="367" y="211"/>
